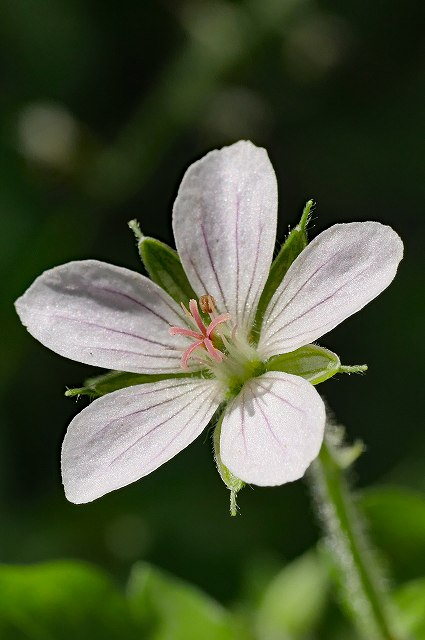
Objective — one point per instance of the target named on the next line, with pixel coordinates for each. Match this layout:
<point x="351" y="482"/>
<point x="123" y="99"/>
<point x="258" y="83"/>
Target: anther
<point x="207" y="303"/>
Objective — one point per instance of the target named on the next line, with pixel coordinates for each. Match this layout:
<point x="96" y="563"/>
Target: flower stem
<point x="359" y="576"/>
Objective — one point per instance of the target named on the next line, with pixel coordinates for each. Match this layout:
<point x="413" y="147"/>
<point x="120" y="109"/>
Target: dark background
<point x="102" y="107"/>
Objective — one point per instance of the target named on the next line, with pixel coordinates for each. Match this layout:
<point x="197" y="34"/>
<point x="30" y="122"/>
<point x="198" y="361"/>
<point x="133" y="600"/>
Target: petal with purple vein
<point x="224" y="222"/>
<point x="129" y="433"/>
<point x="336" y="275"/>
<point x="104" y="315"/>
<point x="273" y="430"/>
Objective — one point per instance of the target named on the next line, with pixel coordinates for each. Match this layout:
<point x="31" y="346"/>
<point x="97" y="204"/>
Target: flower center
<point x="208" y="340"/>
<point x="218" y="345"/>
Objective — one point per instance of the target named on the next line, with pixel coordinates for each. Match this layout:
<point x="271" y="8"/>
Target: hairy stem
<point x="359" y="576"/>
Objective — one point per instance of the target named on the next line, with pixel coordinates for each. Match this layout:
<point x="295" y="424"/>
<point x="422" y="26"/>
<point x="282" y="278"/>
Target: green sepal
<point x="233" y="483"/>
<point x="315" y="364"/>
<point x="291" y="248"/>
<point x="114" y="380"/>
<point x="163" y="266"/>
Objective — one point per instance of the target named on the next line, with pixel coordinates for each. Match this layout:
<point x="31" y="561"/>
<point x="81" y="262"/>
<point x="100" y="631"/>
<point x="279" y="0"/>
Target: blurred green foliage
<point x="102" y="108"/>
<point x="64" y="599"/>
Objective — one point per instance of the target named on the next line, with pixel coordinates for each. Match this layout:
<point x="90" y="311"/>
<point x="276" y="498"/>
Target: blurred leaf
<point x="60" y="601"/>
<point x="410" y="600"/>
<point x="114" y="380"/>
<point x="295" y="600"/>
<point x="315" y="364"/>
<point x="291" y="248"/>
<point x="174" y="610"/>
<point x="397" y="523"/>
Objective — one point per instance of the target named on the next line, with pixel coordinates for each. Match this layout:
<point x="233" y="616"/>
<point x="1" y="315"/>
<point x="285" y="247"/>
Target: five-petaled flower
<point x="272" y="422"/>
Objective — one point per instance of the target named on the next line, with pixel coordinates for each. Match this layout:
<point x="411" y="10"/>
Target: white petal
<point x="224" y="223"/>
<point x="126" y="434"/>
<point x="273" y="430"/>
<point x="104" y="315"/>
<point x="337" y="274"/>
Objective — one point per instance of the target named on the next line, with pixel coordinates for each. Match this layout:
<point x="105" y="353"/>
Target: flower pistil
<point x="204" y="335"/>
<point x="219" y="345"/>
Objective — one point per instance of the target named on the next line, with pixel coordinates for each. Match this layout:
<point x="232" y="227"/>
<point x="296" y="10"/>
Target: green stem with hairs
<point x="359" y="575"/>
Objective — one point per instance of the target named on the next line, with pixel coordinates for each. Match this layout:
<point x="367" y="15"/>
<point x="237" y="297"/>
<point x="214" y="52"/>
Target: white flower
<point x="224" y="223"/>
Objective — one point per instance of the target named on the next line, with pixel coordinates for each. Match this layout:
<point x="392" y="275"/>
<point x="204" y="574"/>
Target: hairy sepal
<point x="231" y="481"/>
<point x="315" y="364"/>
<point x="114" y="380"/>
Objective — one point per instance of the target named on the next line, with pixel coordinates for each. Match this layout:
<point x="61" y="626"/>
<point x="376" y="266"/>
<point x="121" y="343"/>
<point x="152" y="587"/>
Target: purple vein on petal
<point x="135" y="413"/>
<point x="182" y="429"/>
<point x="311" y="276"/>
<point x="159" y="356"/>
<point x="275" y="395"/>
<point x="318" y="304"/>
<point x="257" y="255"/>
<point x="154" y="428"/>
<point x="198" y="275"/>
<point x="257" y="402"/>
<point x="137" y="302"/>
<point x="323" y="328"/>
<point x="207" y="246"/>
<point x="237" y="250"/>
<point x="100" y="326"/>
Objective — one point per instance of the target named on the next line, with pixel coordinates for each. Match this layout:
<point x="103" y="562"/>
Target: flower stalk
<point x="359" y="575"/>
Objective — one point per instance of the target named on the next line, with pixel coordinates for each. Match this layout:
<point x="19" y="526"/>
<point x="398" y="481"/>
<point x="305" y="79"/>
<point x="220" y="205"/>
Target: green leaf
<point x="232" y="482"/>
<point x="114" y="380"/>
<point x="410" y="602"/>
<point x="294" y="602"/>
<point x="397" y="525"/>
<point x="62" y="601"/>
<point x="291" y="248"/>
<point x="163" y="266"/>
<point x="315" y="364"/>
<point x="170" y="609"/>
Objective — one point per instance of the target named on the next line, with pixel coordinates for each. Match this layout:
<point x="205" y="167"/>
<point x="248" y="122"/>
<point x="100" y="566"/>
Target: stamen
<point x="193" y="306"/>
<point x="186" y="311"/>
<point x="188" y="353"/>
<point x="178" y="331"/>
<point x="205" y="335"/>
<point x="207" y="303"/>
<point x="224" y="317"/>
<point x="214" y="353"/>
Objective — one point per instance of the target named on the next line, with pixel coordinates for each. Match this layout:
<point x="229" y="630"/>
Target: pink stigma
<point x="203" y="337"/>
